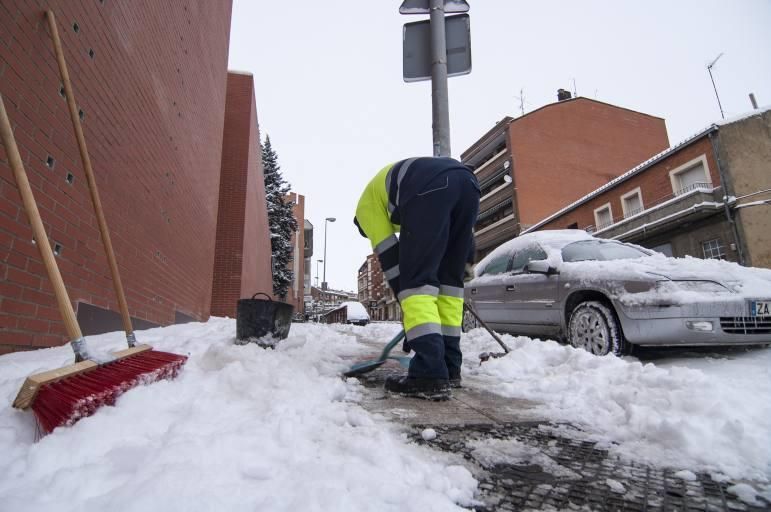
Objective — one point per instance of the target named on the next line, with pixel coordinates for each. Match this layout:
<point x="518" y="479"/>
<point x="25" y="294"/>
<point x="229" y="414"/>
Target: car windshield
<point x="596" y="250"/>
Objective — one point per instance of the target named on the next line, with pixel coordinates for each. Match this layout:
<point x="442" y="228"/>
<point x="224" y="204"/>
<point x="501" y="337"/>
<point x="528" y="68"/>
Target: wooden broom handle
<point x="73" y="107"/>
<point x="65" y="307"/>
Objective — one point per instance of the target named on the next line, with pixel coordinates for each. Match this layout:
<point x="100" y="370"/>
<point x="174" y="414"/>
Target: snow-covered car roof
<point x="356" y="311"/>
<point x="743" y="281"/>
<point x="554" y="237"/>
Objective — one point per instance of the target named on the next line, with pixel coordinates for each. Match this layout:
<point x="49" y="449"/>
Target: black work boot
<point x="455" y="381"/>
<point x="428" y="389"/>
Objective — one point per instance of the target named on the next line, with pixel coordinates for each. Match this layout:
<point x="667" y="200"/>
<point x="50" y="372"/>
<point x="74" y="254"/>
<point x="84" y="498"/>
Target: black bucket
<point x="261" y="321"/>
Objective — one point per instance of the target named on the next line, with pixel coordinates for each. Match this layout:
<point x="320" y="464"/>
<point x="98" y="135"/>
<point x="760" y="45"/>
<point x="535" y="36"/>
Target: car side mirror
<point x="541" y="267"/>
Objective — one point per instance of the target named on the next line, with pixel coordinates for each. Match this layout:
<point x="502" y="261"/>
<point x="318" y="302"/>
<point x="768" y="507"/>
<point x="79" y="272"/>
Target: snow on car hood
<point x="746" y="282"/>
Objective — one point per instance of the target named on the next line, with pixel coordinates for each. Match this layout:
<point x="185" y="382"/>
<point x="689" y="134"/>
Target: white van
<point x="357" y="313"/>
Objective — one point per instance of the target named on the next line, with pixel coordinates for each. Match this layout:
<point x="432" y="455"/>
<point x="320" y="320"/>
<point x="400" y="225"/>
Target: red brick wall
<point x="296" y="294"/>
<point x="242" y="261"/>
<point x="153" y="97"/>
<point x="654" y="182"/>
<point x="567" y="149"/>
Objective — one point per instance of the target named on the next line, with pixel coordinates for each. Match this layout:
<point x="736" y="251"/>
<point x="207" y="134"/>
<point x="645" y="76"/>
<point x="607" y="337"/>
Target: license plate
<point x="760" y="308"/>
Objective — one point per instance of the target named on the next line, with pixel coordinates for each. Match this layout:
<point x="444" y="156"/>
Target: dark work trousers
<point x="434" y="244"/>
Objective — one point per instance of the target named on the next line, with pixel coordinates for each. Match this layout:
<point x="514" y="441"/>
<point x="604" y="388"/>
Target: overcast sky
<point x="330" y="93"/>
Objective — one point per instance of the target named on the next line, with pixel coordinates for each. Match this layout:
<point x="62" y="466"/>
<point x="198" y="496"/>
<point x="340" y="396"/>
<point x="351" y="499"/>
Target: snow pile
<point x="716" y="417"/>
<point x="241" y="428"/>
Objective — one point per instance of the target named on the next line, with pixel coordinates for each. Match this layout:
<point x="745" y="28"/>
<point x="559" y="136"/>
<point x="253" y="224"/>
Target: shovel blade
<point x="362" y="368"/>
<point x="485" y="356"/>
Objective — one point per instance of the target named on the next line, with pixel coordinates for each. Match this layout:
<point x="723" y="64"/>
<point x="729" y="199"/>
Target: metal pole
<point x="440" y="111"/>
<point x="328" y="219"/>
<point x="715" y="87"/>
<point x="709" y="69"/>
<point x="324" y="281"/>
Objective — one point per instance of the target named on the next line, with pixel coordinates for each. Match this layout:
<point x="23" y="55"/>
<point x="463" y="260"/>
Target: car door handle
<point x="510" y="288"/>
<point x="473" y="291"/>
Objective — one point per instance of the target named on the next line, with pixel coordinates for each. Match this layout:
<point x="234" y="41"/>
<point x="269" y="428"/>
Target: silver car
<point x="606" y="296"/>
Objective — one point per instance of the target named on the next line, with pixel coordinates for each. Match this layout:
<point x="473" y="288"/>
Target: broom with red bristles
<point x="61" y="397"/>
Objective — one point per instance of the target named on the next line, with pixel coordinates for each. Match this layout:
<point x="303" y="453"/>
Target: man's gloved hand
<point x="406" y="346"/>
<point x="468" y="272"/>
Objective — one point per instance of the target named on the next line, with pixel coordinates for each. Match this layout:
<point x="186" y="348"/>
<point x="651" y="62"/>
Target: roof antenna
<point x="709" y="68"/>
<point x="575" y="92"/>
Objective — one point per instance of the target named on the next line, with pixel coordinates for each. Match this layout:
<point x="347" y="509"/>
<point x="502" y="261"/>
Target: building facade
<point x="308" y="256"/>
<point x="241" y="256"/>
<point x="300" y="254"/>
<point x="374" y="292"/>
<point x="157" y="105"/>
<point x="323" y="301"/>
<point x="530" y="166"/>
<point x="708" y="197"/>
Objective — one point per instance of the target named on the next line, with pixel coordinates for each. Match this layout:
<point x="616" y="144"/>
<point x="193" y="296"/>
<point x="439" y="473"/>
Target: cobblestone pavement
<point x="546" y="470"/>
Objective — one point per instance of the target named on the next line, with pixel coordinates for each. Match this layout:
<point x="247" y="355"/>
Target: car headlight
<point x="691" y="286"/>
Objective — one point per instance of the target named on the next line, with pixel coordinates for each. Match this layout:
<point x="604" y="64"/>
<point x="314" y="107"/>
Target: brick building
<point x="321" y="301"/>
<point x="375" y="293"/>
<point x="301" y="254"/>
<point x="242" y="258"/>
<point x="308" y="256"/>
<point x="152" y="85"/>
<point x="530" y="166"/>
<point x="709" y="196"/>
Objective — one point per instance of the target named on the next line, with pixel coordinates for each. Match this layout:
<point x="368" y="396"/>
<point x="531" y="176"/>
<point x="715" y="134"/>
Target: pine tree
<point x="281" y="221"/>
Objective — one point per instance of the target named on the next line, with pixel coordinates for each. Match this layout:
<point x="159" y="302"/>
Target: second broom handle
<point x="41" y="239"/>
<point x="89" y="174"/>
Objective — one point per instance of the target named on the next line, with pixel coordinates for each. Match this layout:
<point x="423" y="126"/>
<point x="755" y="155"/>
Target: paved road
<point x="537" y="467"/>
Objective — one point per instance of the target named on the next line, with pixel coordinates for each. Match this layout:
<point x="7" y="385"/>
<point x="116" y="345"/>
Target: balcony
<point x="496" y="233"/>
<point x="492" y="167"/>
<point x="697" y="201"/>
<point x="495" y="197"/>
<point x="308" y="232"/>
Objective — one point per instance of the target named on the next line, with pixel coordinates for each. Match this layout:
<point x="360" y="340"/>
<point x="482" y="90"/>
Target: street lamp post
<point x="317" y="271"/>
<point x="324" y="281"/>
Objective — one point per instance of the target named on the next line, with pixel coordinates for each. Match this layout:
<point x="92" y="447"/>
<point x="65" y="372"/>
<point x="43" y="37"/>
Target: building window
<point x="603" y="216"/>
<point x="691" y="176"/>
<point x="713" y="249"/>
<point x="631" y="203"/>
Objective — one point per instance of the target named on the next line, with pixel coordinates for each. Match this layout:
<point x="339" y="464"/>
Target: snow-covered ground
<point x="243" y="428"/>
<point x="710" y="413"/>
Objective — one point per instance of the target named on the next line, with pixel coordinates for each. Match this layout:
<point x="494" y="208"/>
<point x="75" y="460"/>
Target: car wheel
<point x="593" y="326"/>
<point x="469" y="321"/>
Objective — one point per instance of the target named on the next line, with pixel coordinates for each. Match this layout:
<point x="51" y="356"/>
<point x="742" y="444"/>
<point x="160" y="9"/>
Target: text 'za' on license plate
<point x="760" y="308"/>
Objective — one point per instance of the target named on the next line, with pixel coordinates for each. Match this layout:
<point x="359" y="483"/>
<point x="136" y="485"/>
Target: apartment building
<point x="530" y="166"/>
<point x="374" y="292"/>
<point x="708" y="196"/>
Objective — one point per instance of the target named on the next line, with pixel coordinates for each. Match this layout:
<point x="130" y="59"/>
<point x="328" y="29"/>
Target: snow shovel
<point x="368" y="366"/>
<point x="484" y="356"/>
